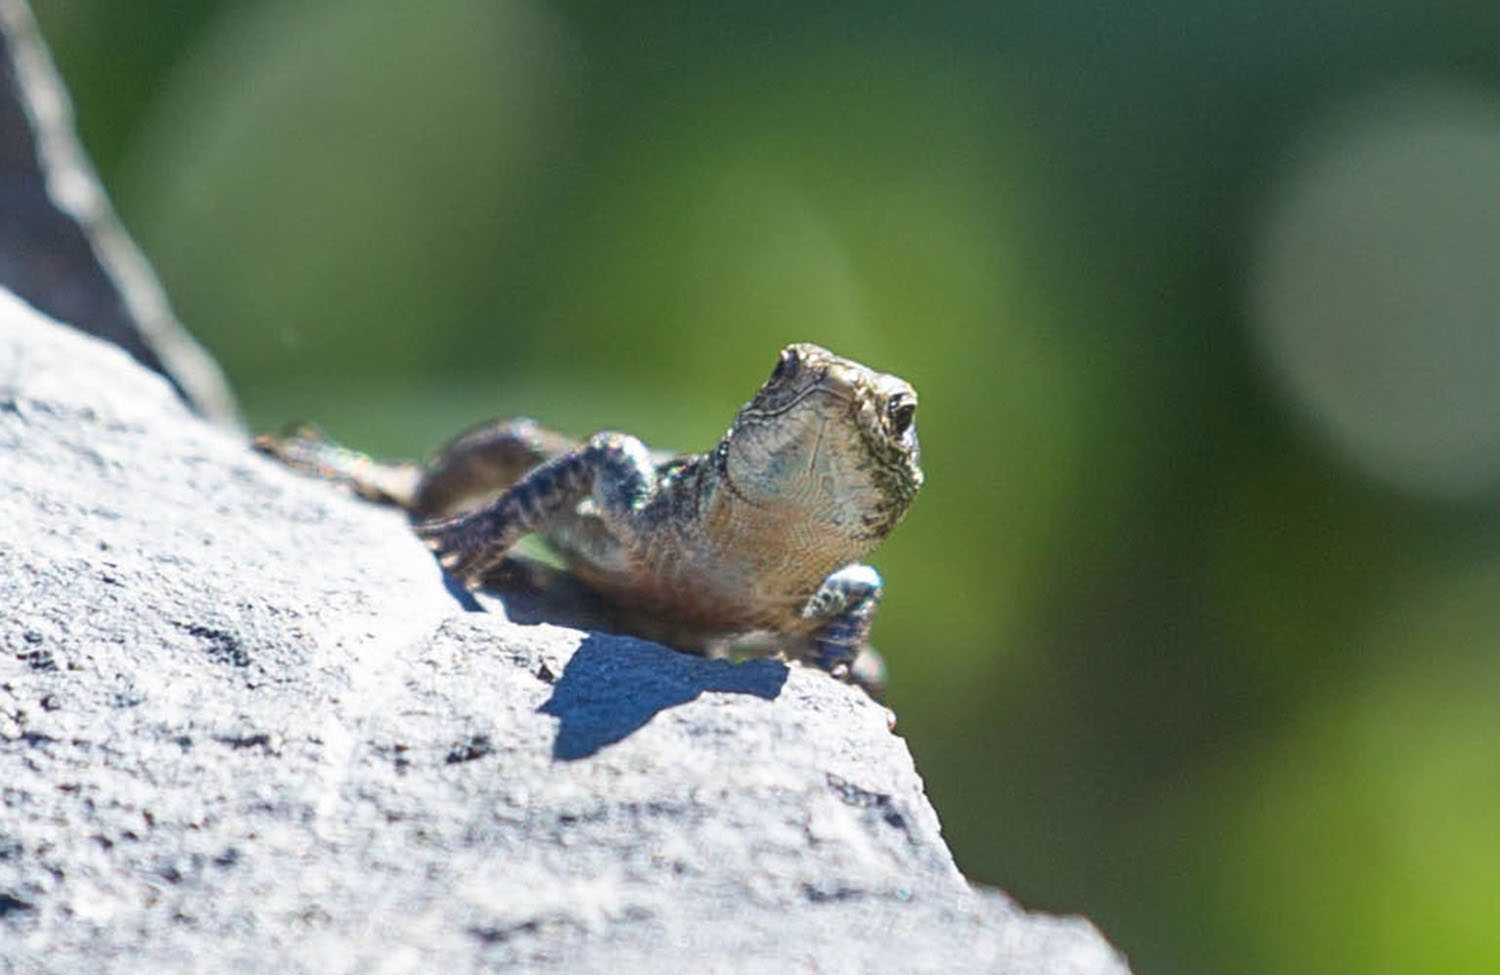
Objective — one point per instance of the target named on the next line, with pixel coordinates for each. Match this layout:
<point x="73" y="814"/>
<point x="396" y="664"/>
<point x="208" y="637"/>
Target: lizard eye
<point x="786" y="366"/>
<point x="901" y="411"/>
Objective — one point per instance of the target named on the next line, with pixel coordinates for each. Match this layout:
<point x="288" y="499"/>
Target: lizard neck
<point x="798" y="534"/>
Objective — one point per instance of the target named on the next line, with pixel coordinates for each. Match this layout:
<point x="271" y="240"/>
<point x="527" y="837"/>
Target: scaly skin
<point x="761" y="535"/>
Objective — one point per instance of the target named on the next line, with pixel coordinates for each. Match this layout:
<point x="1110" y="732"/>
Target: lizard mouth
<point x="816" y="388"/>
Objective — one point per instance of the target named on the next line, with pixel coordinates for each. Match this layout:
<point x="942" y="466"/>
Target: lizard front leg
<point x="479" y="463"/>
<point x="845" y="602"/>
<point x="612" y="468"/>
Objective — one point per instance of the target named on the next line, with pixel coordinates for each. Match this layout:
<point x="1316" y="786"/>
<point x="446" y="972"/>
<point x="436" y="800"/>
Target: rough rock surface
<point x="245" y="728"/>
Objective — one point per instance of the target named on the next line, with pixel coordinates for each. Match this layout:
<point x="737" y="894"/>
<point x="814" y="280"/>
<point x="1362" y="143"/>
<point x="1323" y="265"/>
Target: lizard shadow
<point x="613" y="686"/>
<point x="462" y="596"/>
<point x="534" y="592"/>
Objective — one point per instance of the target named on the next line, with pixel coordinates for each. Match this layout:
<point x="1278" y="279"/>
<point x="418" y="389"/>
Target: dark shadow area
<point x="623" y="672"/>
<point x="614" y="685"/>
<point x="535" y="592"/>
<point x="461" y="595"/>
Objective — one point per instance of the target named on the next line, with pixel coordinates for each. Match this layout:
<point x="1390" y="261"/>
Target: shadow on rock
<point x="460" y="595"/>
<point x="614" y="685"/>
<point x="535" y="592"/>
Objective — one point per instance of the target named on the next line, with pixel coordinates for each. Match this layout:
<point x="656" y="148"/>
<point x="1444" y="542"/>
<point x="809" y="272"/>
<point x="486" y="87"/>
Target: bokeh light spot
<point x="334" y="182"/>
<point x="1375" y="293"/>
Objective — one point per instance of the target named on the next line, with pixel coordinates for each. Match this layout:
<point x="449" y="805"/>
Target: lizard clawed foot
<point x="470" y="544"/>
<point x="305" y="447"/>
<point x="846" y="603"/>
<point x="863" y="666"/>
<point x="868" y="670"/>
<point x="450" y="539"/>
<point x="298" y="445"/>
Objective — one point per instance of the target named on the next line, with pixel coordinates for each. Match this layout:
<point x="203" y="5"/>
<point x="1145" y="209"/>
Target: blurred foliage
<point x="1169" y="651"/>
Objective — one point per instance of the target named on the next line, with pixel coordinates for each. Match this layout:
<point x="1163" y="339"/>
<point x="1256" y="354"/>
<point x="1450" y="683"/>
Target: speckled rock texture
<point x="246" y="727"/>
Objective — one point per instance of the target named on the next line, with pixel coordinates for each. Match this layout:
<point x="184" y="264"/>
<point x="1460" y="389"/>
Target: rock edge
<point x="244" y="727"/>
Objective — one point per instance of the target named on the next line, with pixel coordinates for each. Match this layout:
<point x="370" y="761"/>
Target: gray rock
<point x="244" y="727"/>
<point x="61" y="246"/>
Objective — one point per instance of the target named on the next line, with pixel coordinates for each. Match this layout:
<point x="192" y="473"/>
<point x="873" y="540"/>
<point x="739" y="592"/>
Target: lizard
<point x="756" y="542"/>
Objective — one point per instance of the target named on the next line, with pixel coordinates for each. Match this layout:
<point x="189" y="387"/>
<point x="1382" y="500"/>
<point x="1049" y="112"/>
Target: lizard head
<point x="830" y="441"/>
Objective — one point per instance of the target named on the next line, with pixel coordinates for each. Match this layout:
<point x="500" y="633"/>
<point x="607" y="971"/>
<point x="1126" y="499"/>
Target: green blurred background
<point x="1194" y="628"/>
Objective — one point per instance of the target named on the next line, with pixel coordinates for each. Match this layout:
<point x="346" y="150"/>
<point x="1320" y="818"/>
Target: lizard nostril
<point x="901" y="411"/>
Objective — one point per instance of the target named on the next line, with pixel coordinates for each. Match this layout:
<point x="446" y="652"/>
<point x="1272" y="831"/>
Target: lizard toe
<point x="461" y="562"/>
